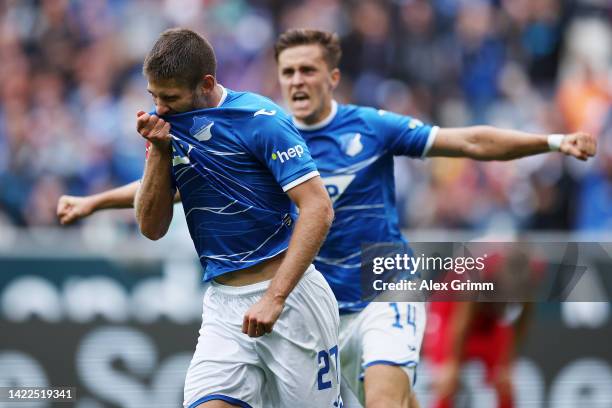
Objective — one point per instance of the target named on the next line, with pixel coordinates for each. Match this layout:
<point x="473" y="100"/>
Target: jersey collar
<point x="322" y="123"/>
<point x="223" y="95"/>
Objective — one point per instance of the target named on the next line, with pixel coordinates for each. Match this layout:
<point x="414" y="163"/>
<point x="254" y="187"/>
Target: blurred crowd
<point x="72" y="82"/>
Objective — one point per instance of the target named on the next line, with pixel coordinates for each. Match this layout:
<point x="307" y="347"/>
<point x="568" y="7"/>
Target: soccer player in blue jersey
<point x="270" y="321"/>
<point x="353" y="148"/>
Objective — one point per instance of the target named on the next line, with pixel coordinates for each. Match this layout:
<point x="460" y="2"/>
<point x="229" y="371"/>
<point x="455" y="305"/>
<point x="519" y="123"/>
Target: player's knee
<point x="386" y="386"/>
<point x="387" y="397"/>
<point x="414" y="403"/>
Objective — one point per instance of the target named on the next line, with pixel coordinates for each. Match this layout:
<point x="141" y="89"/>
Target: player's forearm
<point x="120" y="197"/>
<point x="309" y="233"/>
<point x="490" y="143"/>
<point x="462" y="320"/>
<point x="155" y="195"/>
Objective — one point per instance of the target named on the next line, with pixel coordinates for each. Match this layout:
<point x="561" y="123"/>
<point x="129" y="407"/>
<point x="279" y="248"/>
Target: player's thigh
<point x="387" y="386"/>
<point x="391" y="336"/>
<point x="400" y="320"/>
<point x="301" y="355"/>
<point x="225" y="366"/>
<point x="231" y="382"/>
<point x="392" y="333"/>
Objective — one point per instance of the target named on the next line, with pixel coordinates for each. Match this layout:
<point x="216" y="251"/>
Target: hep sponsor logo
<point x="295" y="151"/>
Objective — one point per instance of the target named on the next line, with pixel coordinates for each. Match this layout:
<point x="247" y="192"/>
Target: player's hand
<point x="71" y="208"/>
<point x="579" y="145"/>
<point x="260" y="317"/>
<point x="446" y="380"/>
<point x="154" y="129"/>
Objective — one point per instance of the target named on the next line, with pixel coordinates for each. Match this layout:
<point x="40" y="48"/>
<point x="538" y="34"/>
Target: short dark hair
<point x="180" y="55"/>
<point x="329" y="42"/>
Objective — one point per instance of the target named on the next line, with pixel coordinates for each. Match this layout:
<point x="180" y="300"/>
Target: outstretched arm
<point x="313" y="223"/>
<point x="73" y="208"/>
<point x="490" y="143"/>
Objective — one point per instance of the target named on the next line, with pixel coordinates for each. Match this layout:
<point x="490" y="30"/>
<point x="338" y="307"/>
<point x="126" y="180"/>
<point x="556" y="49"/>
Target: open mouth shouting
<point x="300" y="100"/>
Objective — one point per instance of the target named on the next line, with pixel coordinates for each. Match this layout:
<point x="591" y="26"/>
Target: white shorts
<point x="388" y="333"/>
<point x="294" y="366"/>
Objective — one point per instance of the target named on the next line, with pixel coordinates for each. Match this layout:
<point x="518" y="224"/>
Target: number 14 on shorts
<point x="398" y="308"/>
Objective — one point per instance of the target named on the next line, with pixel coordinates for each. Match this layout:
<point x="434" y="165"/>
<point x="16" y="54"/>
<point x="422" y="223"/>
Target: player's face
<point x="307" y="82"/>
<point x="171" y="97"/>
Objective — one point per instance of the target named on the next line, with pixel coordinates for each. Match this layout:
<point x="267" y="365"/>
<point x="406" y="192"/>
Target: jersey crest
<point x="201" y="128"/>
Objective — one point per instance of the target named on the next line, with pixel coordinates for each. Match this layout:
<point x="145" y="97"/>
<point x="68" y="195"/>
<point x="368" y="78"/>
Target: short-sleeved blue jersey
<point x="353" y="150"/>
<point x="232" y="165"/>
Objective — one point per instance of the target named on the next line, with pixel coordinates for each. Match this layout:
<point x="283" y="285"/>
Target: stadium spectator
<point x="69" y="59"/>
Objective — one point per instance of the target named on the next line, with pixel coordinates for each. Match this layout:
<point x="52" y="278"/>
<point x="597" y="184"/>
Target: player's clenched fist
<point x="580" y="145"/>
<point x="260" y="317"/>
<point x="70" y="208"/>
<point x="154" y="129"/>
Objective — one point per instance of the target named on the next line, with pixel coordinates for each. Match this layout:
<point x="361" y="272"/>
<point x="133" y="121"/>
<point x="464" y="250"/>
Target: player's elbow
<point x="153" y="217"/>
<point x="476" y="151"/>
<point x="153" y="225"/>
<point x="321" y="209"/>
<point x="153" y="232"/>
<point x="479" y="145"/>
<point x="327" y="212"/>
<point x="153" y="235"/>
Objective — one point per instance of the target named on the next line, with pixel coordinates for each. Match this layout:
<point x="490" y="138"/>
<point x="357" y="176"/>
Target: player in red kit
<point x="488" y="332"/>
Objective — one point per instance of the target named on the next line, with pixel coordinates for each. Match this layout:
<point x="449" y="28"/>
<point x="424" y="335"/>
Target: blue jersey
<point x="354" y="150"/>
<point x="232" y="165"/>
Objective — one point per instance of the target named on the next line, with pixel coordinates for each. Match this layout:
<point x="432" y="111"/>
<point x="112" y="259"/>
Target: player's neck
<point x="213" y="99"/>
<point x="326" y="115"/>
<point x="217" y="96"/>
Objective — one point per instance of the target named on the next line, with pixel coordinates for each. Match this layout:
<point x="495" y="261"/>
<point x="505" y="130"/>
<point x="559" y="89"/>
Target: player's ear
<point x="335" y="78"/>
<point x="208" y="84"/>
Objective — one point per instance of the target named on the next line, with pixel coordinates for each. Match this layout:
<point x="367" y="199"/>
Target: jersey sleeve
<point x="404" y="135"/>
<point x="278" y="144"/>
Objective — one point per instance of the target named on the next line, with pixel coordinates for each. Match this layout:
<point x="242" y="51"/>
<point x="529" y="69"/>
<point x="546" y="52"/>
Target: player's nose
<point x="162" y="109"/>
<point x="297" y="79"/>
